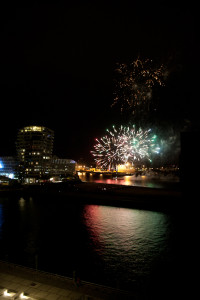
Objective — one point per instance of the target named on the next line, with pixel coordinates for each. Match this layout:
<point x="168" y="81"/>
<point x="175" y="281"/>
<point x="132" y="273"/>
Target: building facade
<point x="8" y="166"/>
<point x="62" y="166"/>
<point x="34" y="152"/>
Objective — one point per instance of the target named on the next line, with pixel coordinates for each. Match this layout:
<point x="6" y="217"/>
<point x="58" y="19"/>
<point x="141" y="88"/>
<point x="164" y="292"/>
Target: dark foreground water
<point x="120" y="247"/>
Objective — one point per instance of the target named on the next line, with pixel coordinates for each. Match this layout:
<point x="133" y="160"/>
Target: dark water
<point x="120" y="247"/>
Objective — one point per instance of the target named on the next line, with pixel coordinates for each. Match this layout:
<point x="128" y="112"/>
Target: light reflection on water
<point x="109" y="245"/>
<point x="1" y="218"/>
<point x="130" y="242"/>
<point x="22" y="204"/>
<point x="143" y="181"/>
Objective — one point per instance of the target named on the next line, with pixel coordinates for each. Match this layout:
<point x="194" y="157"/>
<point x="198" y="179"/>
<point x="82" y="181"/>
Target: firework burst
<point x="134" y="85"/>
<point x="108" y="150"/>
<point x="122" y="145"/>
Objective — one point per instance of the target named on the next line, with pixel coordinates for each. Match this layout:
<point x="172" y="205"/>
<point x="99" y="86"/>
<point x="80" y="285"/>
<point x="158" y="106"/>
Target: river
<point x="153" y="181"/>
<point x="119" y="247"/>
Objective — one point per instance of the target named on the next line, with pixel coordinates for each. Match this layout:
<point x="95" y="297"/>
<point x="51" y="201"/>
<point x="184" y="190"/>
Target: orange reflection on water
<point x="124" y="180"/>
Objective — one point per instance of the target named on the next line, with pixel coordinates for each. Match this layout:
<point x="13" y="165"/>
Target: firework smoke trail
<point x="134" y="87"/>
<point x="124" y="145"/>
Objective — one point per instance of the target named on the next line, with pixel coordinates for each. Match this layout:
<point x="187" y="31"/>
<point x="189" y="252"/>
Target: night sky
<point x="57" y="63"/>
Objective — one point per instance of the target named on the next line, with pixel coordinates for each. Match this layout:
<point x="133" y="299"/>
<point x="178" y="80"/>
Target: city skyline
<point x="35" y="159"/>
<point x="58" y="67"/>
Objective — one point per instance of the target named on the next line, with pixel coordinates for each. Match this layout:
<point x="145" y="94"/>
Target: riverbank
<point x="45" y="286"/>
<point x="105" y="194"/>
<point x="110" y="194"/>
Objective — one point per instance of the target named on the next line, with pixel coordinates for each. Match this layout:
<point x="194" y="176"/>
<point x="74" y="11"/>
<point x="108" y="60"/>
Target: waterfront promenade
<point x="38" y="285"/>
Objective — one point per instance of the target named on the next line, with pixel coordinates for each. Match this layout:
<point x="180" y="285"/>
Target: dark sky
<point x="57" y="64"/>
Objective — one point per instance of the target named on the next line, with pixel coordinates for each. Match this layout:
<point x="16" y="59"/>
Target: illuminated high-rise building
<point x="34" y="152"/>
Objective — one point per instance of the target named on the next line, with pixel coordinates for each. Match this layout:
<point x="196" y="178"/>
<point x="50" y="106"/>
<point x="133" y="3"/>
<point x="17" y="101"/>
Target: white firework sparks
<point x="125" y="144"/>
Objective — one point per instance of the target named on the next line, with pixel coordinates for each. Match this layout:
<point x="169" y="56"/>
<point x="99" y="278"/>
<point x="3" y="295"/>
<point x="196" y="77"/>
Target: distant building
<point x="34" y="151"/>
<point x="62" y="166"/>
<point x="35" y="156"/>
<point x="8" y="165"/>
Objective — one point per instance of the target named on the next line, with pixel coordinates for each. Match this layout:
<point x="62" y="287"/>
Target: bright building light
<point x="8" y="294"/>
<point x="33" y="128"/>
<point x="11" y="175"/>
<point x="22" y="296"/>
<point x="5" y="293"/>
